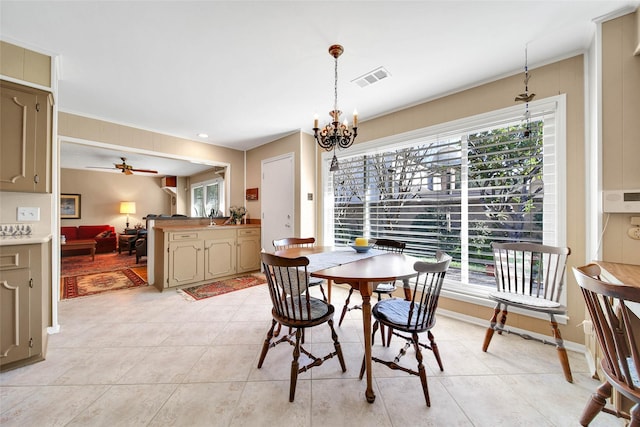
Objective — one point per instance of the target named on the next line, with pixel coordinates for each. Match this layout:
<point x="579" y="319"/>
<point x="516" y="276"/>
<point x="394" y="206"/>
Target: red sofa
<point x="104" y="235"/>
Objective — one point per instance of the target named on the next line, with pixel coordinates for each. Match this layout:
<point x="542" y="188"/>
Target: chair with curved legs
<point x="608" y="306"/>
<point x="408" y="318"/>
<point x="529" y="276"/>
<point x="388" y="245"/>
<point x="293" y="307"/>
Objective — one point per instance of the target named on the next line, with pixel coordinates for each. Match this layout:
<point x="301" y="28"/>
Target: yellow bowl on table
<point x="361" y="245"/>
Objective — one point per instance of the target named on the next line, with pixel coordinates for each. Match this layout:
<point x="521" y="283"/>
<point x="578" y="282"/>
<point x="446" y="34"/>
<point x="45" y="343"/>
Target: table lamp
<point x="127" y="208"/>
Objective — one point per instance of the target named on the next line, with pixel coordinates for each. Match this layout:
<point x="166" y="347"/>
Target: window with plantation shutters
<point x="456" y="187"/>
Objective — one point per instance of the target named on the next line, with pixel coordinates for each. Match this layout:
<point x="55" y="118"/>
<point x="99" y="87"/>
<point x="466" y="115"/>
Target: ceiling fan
<point x="126" y="168"/>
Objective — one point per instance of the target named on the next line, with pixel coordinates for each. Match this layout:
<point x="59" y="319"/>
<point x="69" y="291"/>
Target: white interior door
<point x="277" y="199"/>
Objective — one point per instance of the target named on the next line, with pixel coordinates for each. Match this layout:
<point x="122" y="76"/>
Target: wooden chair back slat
<point x="607" y="304"/>
<point x="530" y="269"/>
<point x="294" y="242"/>
<point x="426" y="291"/>
<point x="288" y="287"/>
<point x="390" y="245"/>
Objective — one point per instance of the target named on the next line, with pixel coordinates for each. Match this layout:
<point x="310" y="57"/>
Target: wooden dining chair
<point x="608" y="306"/>
<point x="387" y="245"/>
<point x="300" y="242"/>
<point x="529" y="276"/>
<point x="408" y="318"/>
<point x="293" y="307"/>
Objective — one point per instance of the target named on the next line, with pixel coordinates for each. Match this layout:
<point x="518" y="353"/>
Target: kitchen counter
<point x="197" y="227"/>
<point x="27" y="239"/>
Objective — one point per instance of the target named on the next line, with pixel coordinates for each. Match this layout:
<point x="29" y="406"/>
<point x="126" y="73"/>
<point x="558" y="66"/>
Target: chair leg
<point x="277" y="331"/>
<point x="422" y="372"/>
<point x="635" y="416"/>
<point x="362" y="368"/>
<point x="434" y="349"/>
<point x="324" y="297"/>
<point x="336" y="345"/>
<point x="295" y="366"/>
<point x="374" y="329"/>
<point x="562" y="352"/>
<point x="267" y="343"/>
<point x="596" y="403"/>
<point x="346" y="307"/>
<point x="492" y="327"/>
<point x="382" y="336"/>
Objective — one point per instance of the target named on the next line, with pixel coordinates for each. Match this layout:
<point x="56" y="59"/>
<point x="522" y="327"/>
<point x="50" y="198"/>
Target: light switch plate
<point x="28" y="214"/>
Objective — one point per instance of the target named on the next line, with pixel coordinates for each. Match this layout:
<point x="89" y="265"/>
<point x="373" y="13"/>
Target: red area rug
<point x="91" y="284"/>
<point x="81" y="264"/>
<point x="209" y="290"/>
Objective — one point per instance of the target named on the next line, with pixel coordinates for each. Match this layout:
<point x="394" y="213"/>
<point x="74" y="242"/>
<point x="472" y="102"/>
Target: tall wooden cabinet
<point x="21" y="304"/>
<point x="26" y="117"/>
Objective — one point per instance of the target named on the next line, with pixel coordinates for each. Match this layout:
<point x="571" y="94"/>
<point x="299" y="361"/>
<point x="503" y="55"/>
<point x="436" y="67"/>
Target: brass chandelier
<point x="335" y="134"/>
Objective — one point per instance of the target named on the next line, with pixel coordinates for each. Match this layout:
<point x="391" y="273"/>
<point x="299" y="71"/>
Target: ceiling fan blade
<point x="127" y="172"/>
<point x="144" y="170"/>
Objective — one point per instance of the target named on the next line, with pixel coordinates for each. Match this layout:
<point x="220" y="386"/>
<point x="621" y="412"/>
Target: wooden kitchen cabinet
<point x="26" y="120"/>
<point x="248" y="250"/>
<point x="197" y="255"/>
<point x="21" y="290"/>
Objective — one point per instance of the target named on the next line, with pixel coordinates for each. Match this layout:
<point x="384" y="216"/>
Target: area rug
<point x="209" y="290"/>
<point x="91" y="284"/>
<point x="82" y="264"/>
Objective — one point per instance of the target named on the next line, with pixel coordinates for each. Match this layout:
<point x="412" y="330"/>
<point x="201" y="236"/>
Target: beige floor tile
<point x="125" y="405"/>
<point x="406" y="405"/>
<point x="338" y="402"/>
<point x="163" y="365"/>
<point x="224" y="363"/>
<point x="143" y="357"/>
<point x="266" y="403"/>
<point x="51" y="406"/>
<point x="205" y="404"/>
<point x="489" y="401"/>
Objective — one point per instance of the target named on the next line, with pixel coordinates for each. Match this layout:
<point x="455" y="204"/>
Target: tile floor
<point x="140" y="357"/>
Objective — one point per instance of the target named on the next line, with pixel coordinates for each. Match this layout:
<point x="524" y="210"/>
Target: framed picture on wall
<point x="70" y="206"/>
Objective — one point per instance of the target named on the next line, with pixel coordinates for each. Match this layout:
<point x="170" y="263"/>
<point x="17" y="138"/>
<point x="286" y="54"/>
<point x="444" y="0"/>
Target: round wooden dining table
<point x="362" y="275"/>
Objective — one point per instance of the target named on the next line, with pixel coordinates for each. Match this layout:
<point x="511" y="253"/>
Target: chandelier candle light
<point x="335" y="134"/>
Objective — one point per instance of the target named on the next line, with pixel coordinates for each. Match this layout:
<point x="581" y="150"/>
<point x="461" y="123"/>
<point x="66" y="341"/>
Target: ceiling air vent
<point x="372" y="77"/>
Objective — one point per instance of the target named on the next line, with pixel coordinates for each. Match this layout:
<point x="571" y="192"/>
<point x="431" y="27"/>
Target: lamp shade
<point x="127" y="207"/>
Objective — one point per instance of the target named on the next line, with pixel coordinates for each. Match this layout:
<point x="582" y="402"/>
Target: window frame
<point x="556" y="105"/>
<point x="203" y="184"/>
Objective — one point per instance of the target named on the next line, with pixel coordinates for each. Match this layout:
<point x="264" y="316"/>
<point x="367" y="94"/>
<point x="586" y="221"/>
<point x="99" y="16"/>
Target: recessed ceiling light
<point x="203" y="135"/>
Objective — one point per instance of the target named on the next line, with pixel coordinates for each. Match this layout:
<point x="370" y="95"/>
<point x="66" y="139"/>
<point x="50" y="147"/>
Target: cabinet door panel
<point x="185" y="263"/>
<point x="14" y="305"/>
<point x="220" y="257"/>
<point x="248" y="254"/>
<point x="17" y="139"/>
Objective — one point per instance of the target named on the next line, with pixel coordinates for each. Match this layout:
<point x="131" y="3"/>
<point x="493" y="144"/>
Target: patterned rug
<point x="208" y="290"/>
<point x="81" y="264"/>
<point x="91" y="284"/>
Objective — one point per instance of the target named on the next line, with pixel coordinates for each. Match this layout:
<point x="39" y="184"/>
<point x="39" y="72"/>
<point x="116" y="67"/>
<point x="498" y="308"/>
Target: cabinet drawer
<point x="243" y="232"/>
<point x="14" y="257"/>
<point x="187" y="235"/>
